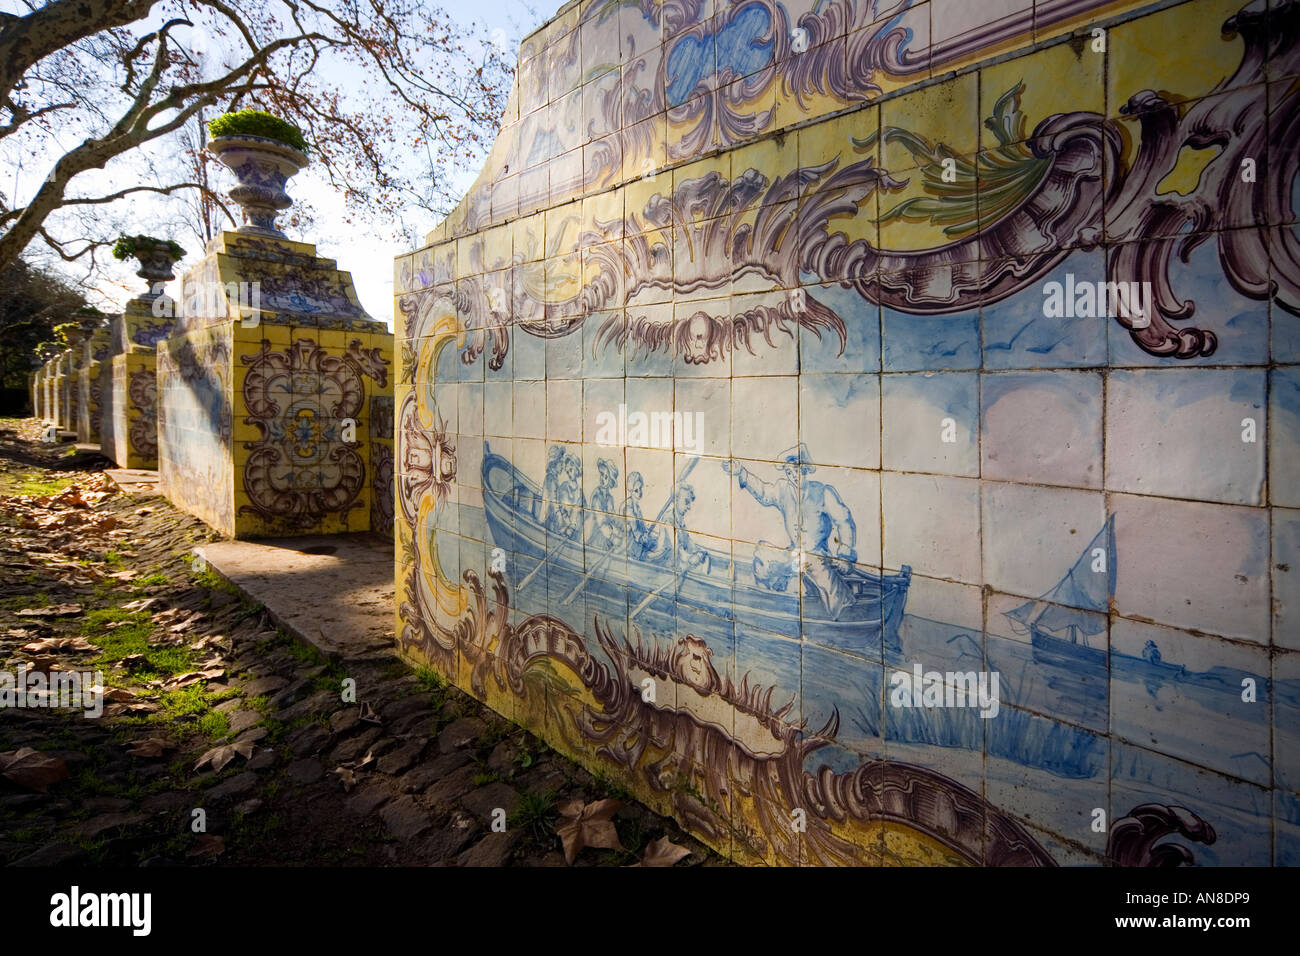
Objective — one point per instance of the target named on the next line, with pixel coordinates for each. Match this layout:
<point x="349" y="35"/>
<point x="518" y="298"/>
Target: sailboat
<point x="1061" y="623"/>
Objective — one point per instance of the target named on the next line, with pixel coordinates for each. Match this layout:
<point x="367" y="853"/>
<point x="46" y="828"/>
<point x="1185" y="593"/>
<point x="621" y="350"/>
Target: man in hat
<point x="822" y="535"/>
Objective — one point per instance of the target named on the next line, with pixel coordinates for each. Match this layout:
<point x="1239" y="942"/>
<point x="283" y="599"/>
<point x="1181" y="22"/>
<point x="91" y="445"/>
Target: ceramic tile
<point x="1199" y="436"/>
<point x="932" y="522"/>
<point x="1042" y="427"/>
<point x="1230" y="596"/>
<point x="931" y="423"/>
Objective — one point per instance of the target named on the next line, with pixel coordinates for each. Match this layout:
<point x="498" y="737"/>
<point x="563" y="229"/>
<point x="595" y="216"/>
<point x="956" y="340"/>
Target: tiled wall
<point x="867" y="256"/>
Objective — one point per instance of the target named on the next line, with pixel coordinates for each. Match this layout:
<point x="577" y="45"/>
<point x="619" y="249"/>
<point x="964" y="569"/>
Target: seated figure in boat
<point x="642" y="537"/>
<point x="550" y="485"/>
<point x="822" y="534"/>
<point x="608" y="532"/>
<point x="565" y="516"/>
<point x="659" y="550"/>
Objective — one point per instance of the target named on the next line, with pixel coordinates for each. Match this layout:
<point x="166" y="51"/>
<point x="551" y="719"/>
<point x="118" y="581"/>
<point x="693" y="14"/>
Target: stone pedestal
<point x="62" y="385"/>
<point x="129" y="418"/>
<point x="95" y="350"/>
<point x="46" y="385"/>
<point x="268" y="389"/>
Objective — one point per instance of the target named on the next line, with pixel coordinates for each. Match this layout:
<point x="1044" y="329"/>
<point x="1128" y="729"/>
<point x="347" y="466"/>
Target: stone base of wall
<point x="134" y="411"/>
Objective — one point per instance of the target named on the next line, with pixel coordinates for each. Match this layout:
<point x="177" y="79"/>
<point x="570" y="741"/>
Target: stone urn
<point x="157" y="259"/>
<point x="263" y="167"/>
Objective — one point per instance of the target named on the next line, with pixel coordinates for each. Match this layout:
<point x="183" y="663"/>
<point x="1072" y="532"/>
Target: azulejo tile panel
<point x="924" y="469"/>
<point x="272" y="392"/>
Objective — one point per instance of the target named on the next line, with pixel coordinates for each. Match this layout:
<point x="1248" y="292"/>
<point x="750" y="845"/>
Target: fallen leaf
<point x="662" y="852"/>
<point x="118" y="695"/>
<point x="346" y="776"/>
<point x="32" y="769"/>
<point x="132" y="661"/>
<point x="42" y="664"/>
<point x="208" y="844"/>
<point x="587" y="824"/>
<point x="58" y="610"/>
<point x="218" y="757"/>
<point x="193" y="677"/>
<point x="63" y="645"/>
<point x="141" y="605"/>
<point x="150" y="747"/>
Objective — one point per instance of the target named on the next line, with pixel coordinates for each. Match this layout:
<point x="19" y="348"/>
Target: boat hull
<point x="625" y="585"/>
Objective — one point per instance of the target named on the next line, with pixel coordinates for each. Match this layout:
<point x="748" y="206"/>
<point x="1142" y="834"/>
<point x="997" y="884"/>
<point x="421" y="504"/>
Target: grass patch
<point x="483" y="779"/>
<point x="536" y="815"/>
<point x="214" y="724"/>
<point x="150" y="580"/>
<point x="33" y="484"/>
<point x="131" y="636"/>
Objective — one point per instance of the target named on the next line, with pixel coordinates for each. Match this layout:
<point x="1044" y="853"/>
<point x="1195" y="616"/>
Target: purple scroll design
<point x="1151" y="227"/>
<point x="1133" y="838"/>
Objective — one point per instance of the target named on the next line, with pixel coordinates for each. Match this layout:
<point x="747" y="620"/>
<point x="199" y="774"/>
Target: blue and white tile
<point x="1068" y="683"/>
<point x="564" y="409"/>
<point x="498" y="409"/>
<point x="1284" y="436"/>
<point x="1239" y="324"/>
<point x="930" y="423"/>
<point x="932" y="522"/>
<point x="913" y="343"/>
<point x="847" y="690"/>
<point x="757" y="357"/>
<point x="1042" y="427"/>
<point x="1038" y="328"/>
<point x="1048" y="774"/>
<point x="839" y="419"/>
<point x="1222" y="589"/>
<point x="705" y="407"/>
<point x="1286" y="721"/>
<point x="822" y="350"/>
<point x="1186" y="433"/>
<point x="1286" y="578"/>
<point x="530" y="409"/>
<point x="1034" y="535"/>
<point x="1201" y="699"/>
<point x="1239" y="812"/>
<point x="765" y="417"/>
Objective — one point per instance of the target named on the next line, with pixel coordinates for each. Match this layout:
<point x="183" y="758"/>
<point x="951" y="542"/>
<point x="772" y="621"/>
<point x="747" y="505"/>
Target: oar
<point x="656" y="592"/>
<point x="600" y="563"/>
<point x="552" y="553"/>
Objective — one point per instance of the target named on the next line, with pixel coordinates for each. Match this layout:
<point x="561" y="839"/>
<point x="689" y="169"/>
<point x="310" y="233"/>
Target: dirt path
<point x="224" y="741"/>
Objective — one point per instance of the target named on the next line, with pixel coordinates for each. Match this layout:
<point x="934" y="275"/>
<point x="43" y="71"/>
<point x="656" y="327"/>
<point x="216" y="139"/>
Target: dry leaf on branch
<point x="587" y="824"/>
<point x="662" y="852"/>
<point x="32" y="769"/>
<point x="218" y="757"/>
